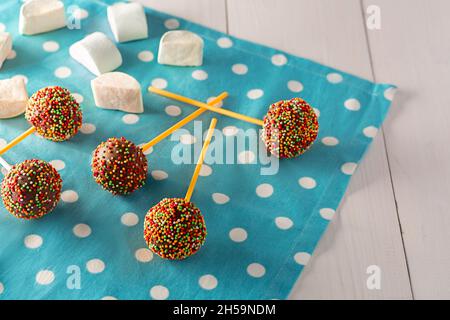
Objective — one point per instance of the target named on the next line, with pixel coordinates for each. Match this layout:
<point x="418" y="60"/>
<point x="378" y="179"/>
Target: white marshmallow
<point x="13" y="97"/>
<point x="97" y="53"/>
<point x="5" y="46"/>
<point x="127" y="21"/>
<point x="181" y="48"/>
<point x="39" y="16"/>
<point x="117" y="91"/>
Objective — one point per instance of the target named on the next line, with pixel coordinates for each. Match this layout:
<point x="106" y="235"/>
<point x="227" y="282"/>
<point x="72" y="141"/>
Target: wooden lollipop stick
<point x="5" y="164"/>
<point x="182" y="122"/>
<point x="202" y="105"/>
<point x="17" y="140"/>
<point x="201" y="158"/>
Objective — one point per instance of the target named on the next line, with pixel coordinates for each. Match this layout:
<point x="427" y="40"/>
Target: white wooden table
<point x="396" y="213"/>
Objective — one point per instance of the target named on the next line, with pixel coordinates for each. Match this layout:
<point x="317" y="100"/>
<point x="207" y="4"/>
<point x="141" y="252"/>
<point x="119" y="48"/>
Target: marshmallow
<point x="39" y="16"/>
<point x="117" y="91"/>
<point x="97" y="53"/>
<point x="13" y="97"/>
<point x="181" y="48"/>
<point x="127" y="21"/>
<point x="5" y="46"/>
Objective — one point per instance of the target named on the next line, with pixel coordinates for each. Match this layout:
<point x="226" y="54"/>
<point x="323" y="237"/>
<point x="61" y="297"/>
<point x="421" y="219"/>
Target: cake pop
<point x="289" y="128"/>
<point x="53" y="113"/>
<point x="120" y="166"/>
<point x="31" y="189"/>
<point x="174" y="228"/>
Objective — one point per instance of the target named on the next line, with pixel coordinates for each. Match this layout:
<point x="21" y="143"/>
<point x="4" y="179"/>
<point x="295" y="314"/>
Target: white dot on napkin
<point x="82" y="230"/>
<point x="50" y="46"/>
<point x="58" y="164"/>
<point x="246" y="157"/>
<point x="146" y="56"/>
<point x="256" y="270"/>
<point x="205" y="170"/>
<point x="334" y="78"/>
<point x="302" y="258"/>
<point x="172" y="24"/>
<point x="143" y="255"/>
<point x="330" y="141"/>
<point x="200" y="75"/>
<point x="370" y="131"/>
<point x="173" y="111"/>
<point x="279" y="59"/>
<point x="95" y="266"/>
<point x="130" y="118"/>
<point x="78" y="97"/>
<point x="207" y="282"/>
<point x="238" y="234"/>
<point x="264" y="190"/>
<point x="352" y="104"/>
<point x="69" y="196"/>
<point x="307" y="182"/>
<point x="239" y="68"/>
<point x="88" y="128"/>
<point x="159" y="292"/>
<point x="63" y="72"/>
<point x="224" y="42"/>
<point x="129" y="219"/>
<point x="327" y="213"/>
<point x="283" y="223"/>
<point x="33" y="241"/>
<point x="348" y="168"/>
<point x="295" y="86"/>
<point x="159" y="83"/>
<point x="255" y="94"/>
<point x="159" y="174"/>
<point x="220" y="198"/>
<point x="45" y="277"/>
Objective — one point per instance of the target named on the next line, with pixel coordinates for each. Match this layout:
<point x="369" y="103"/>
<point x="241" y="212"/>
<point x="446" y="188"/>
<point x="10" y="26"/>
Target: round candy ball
<point x="290" y="128"/>
<point x="31" y="189"/>
<point x="119" y="166"/>
<point x="54" y="113"/>
<point x="174" y="229"/>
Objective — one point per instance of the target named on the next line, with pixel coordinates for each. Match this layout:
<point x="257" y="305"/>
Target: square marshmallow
<point x="97" y="53"/>
<point x="39" y="16"/>
<point x="118" y="91"/>
<point x="127" y="21"/>
<point x="180" y="48"/>
<point x="13" y="97"/>
<point x="5" y="46"/>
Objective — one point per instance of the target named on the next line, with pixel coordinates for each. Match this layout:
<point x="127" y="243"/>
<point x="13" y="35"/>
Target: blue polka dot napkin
<point x="262" y="227"/>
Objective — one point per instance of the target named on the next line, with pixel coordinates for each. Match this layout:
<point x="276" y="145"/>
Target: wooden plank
<point x="211" y="13"/>
<point x="412" y="50"/>
<point x="365" y="231"/>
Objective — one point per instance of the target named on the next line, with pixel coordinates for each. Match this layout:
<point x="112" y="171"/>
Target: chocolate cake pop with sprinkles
<point x="55" y="113"/>
<point x="119" y="166"/>
<point x="290" y="128"/>
<point x="31" y="189"/>
<point x="174" y="229"/>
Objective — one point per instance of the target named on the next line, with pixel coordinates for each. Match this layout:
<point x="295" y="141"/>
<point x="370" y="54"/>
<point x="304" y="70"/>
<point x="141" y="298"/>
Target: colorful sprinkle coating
<point x="31" y="189"/>
<point x="290" y="128"/>
<point x="54" y="113"/>
<point x="119" y="166"/>
<point x="174" y="229"/>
